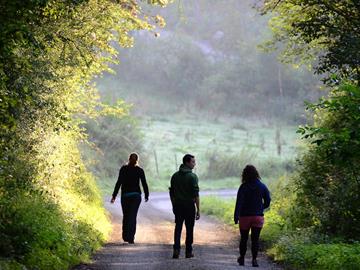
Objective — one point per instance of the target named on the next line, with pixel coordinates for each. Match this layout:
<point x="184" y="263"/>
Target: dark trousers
<point x="255" y="235"/>
<point x="130" y="206"/>
<point x="184" y="212"/>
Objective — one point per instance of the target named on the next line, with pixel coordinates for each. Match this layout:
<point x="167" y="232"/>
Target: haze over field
<point x="194" y="76"/>
<point x="206" y="61"/>
<point x="205" y="86"/>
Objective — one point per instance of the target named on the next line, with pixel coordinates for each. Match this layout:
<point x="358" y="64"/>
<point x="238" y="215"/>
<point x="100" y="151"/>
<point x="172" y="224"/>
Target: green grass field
<point x="231" y="141"/>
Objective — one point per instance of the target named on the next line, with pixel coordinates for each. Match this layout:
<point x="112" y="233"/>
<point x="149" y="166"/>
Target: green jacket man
<point x="184" y="194"/>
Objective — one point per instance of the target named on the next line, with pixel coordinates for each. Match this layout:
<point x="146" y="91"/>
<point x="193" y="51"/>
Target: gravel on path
<point x="215" y="244"/>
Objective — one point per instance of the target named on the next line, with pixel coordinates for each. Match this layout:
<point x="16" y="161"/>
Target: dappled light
<point x="199" y="92"/>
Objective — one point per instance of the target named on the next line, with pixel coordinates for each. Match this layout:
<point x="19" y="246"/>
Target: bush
<point x="115" y="139"/>
<point x="302" y="255"/>
<point x="222" y="164"/>
<point x="328" y="180"/>
<point x="297" y="248"/>
<point x="38" y="234"/>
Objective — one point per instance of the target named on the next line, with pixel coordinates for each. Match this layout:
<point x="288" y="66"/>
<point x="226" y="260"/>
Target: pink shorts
<point x="245" y="223"/>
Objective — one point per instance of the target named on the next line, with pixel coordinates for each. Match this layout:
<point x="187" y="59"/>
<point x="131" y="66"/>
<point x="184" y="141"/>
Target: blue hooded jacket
<point x="252" y="198"/>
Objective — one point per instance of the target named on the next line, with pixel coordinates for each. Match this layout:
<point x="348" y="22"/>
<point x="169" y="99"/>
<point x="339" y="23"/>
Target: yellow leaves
<point x="160" y="21"/>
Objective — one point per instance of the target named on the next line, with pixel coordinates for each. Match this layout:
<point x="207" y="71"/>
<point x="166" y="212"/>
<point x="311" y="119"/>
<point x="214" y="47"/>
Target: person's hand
<point x="146" y="199"/>
<point x="236" y="221"/>
<point x="112" y="200"/>
<point x="197" y="217"/>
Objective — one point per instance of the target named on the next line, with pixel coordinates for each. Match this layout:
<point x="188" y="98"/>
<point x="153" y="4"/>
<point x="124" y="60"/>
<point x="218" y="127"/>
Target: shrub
<point x="115" y="139"/>
<point x="222" y="164"/>
<point x="328" y="180"/>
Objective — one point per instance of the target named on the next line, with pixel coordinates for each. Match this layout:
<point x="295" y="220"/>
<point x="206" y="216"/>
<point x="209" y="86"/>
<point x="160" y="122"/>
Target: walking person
<point x="184" y="195"/>
<point x="129" y="179"/>
<point x="252" y="198"/>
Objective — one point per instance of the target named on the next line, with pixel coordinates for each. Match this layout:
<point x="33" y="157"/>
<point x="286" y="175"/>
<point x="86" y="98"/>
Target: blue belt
<point x="129" y="194"/>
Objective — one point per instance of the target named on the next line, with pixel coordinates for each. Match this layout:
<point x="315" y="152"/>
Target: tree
<point x="322" y="32"/>
<point x="326" y="34"/>
<point x="50" y="50"/>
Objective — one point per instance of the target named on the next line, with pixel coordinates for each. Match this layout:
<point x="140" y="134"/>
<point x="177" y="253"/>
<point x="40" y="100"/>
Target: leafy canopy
<point x="325" y="33"/>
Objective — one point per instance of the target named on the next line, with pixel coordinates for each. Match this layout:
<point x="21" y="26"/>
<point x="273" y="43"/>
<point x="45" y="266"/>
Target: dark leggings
<point x="130" y="206"/>
<point x="255" y="234"/>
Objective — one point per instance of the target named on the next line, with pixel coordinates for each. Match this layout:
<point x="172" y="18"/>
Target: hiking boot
<point x="241" y="260"/>
<point x="254" y="263"/>
<point x="189" y="255"/>
<point x="176" y="254"/>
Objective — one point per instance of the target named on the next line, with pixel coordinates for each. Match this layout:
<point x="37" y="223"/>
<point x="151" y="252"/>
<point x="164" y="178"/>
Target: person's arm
<point x="118" y="185"/>
<point x="238" y="206"/>
<point x="196" y="196"/>
<point x="171" y="191"/>
<point x="197" y="203"/>
<point x="266" y="197"/>
<point x="144" y="185"/>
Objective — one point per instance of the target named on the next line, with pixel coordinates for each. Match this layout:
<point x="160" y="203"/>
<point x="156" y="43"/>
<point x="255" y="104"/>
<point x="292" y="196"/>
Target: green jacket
<point x="184" y="185"/>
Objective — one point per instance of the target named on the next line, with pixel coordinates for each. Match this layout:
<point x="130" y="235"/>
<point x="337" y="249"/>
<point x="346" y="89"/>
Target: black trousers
<point x="184" y="212"/>
<point x="130" y="206"/>
<point x="255" y="235"/>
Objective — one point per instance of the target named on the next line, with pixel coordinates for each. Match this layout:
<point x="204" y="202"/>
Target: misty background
<point x="202" y="85"/>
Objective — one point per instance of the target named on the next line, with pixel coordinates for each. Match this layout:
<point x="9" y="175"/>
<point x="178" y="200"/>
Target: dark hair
<point x="249" y="174"/>
<point x="187" y="158"/>
<point x="135" y="156"/>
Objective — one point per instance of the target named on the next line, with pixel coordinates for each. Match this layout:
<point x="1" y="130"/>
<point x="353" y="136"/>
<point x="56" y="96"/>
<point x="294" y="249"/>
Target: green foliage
<point x="35" y="232"/>
<point x="328" y="180"/>
<point x="297" y="249"/>
<point x="112" y="140"/>
<point x="216" y="207"/>
<point x="321" y="32"/>
<point x="217" y="147"/>
<point x="216" y="71"/>
<point x="301" y="255"/>
<point x="51" y="213"/>
<point x="222" y="164"/>
<point x="225" y="164"/>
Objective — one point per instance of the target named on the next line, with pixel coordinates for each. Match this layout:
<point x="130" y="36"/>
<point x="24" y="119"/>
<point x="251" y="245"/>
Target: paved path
<point x="215" y="244"/>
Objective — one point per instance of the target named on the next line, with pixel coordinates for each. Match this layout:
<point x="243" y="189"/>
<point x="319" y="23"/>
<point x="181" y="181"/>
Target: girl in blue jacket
<point x="252" y="198"/>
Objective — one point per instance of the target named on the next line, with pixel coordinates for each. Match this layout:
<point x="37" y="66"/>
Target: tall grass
<point x="221" y="148"/>
<point x="223" y="164"/>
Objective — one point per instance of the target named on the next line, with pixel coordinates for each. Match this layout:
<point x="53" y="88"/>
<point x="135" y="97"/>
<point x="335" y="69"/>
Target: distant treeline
<point x="209" y="63"/>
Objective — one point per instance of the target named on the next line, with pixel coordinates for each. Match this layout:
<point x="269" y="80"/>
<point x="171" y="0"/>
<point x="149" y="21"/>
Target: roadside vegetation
<point x="311" y="222"/>
<point x="294" y="247"/>
<point x="51" y="211"/>
<point x="201" y="87"/>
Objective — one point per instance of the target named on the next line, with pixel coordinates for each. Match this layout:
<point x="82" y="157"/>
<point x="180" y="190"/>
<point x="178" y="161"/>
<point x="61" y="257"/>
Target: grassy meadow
<point x="222" y="148"/>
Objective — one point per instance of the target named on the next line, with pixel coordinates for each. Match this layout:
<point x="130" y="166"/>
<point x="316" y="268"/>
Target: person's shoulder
<point x="175" y="174"/>
<point x="242" y="187"/>
<point x="262" y="184"/>
<point x="123" y="167"/>
<point x="193" y="175"/>
<point x="139" y="168"/>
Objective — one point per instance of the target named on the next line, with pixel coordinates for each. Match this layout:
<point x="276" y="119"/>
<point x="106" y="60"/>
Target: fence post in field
<point x="176" y="165"/>
<point x="156" y="162"/>
<point x="278" y="140"/>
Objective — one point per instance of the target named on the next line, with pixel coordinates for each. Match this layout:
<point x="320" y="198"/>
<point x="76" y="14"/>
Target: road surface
<point x="215" y="244"/>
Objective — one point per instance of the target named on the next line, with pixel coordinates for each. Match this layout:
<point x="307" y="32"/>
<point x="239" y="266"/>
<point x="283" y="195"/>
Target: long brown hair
<point x="249" y="174"/>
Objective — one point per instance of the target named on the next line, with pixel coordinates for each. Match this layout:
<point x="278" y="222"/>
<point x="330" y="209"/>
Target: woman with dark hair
<point x="129" y="179"/>
<point x="252" y="198"/>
